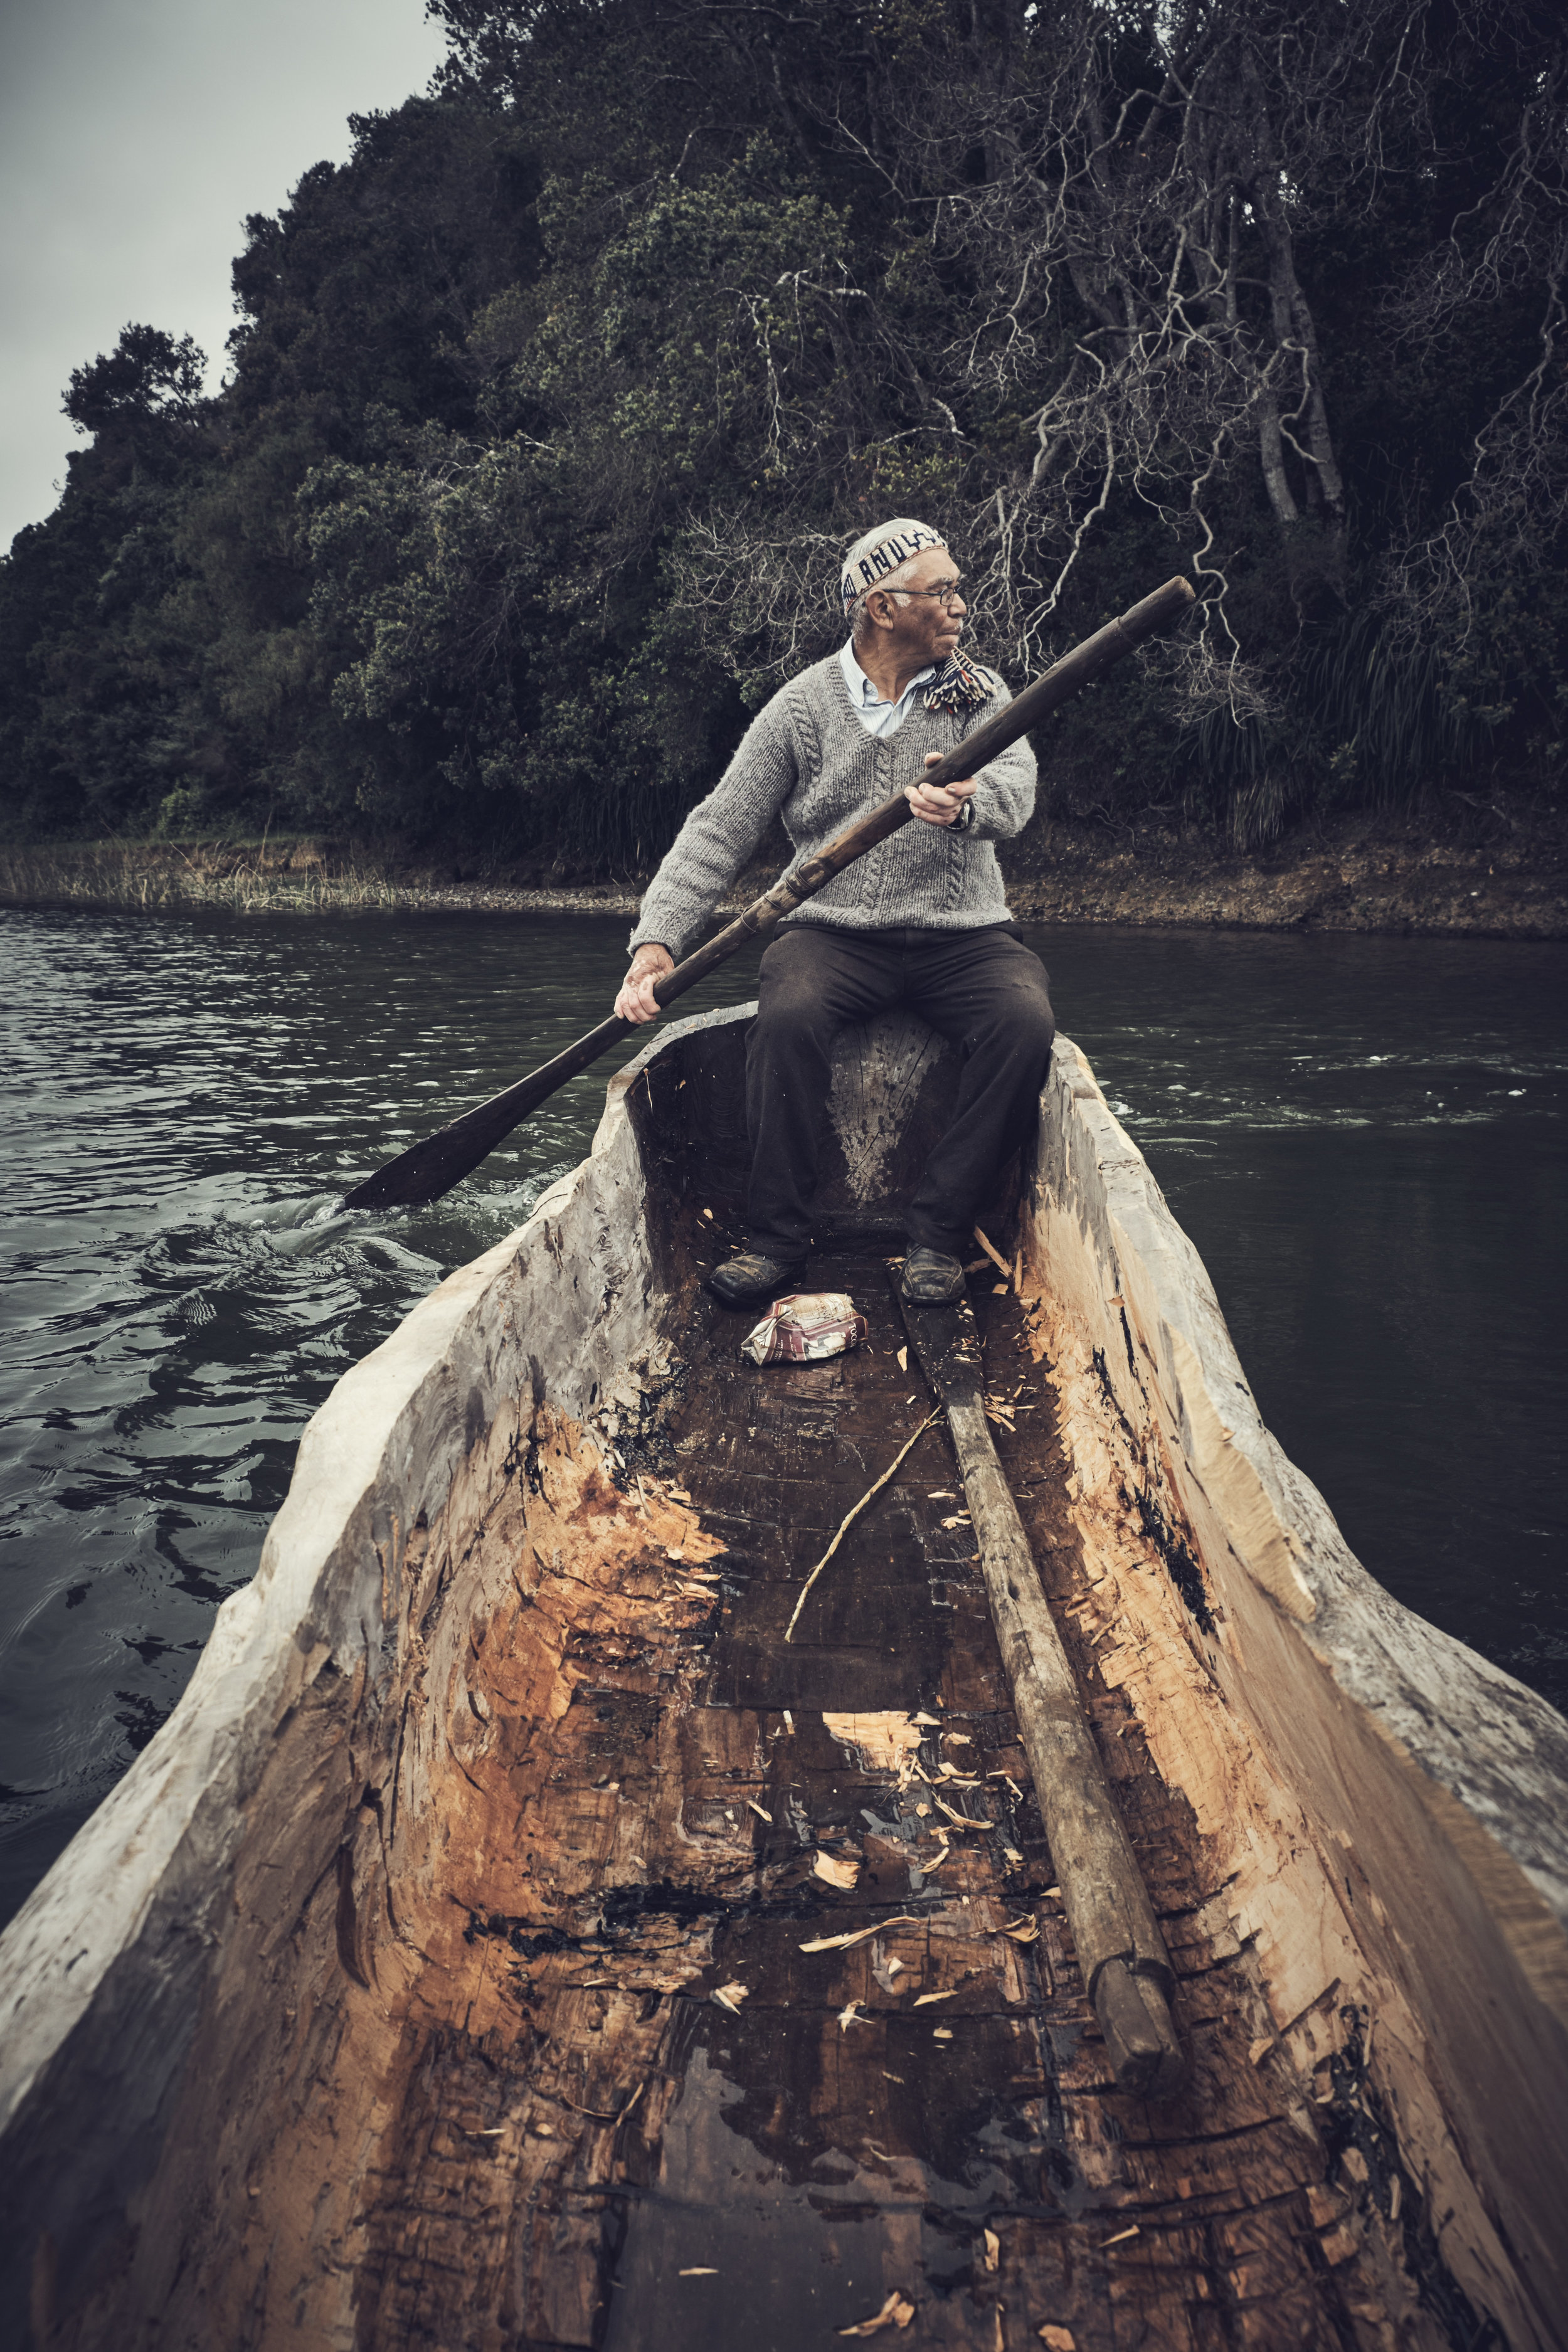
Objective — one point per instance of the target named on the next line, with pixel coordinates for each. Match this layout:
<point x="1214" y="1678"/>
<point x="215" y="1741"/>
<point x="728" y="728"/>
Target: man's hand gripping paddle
<point x="427" y="1170"/>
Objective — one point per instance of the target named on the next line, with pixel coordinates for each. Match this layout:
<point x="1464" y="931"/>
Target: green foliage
<point x="550" y="410"/>
<point x="147" y="374"/>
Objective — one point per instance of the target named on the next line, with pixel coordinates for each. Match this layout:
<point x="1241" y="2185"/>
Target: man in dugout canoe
<point x="921" y="921"/>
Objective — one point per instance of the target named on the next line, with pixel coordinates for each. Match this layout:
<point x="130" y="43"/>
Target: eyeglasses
<point x="947" y="591"/>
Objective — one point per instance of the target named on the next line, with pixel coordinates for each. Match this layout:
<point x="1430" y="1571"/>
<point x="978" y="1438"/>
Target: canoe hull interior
<point x="378" y="2000"/>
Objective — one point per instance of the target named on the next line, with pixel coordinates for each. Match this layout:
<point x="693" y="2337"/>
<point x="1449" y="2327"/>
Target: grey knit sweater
<point x="806" y="758"/>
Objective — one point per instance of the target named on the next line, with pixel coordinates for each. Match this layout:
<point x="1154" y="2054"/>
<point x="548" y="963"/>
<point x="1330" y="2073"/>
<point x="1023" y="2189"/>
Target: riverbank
<point x="1353" y="877"/>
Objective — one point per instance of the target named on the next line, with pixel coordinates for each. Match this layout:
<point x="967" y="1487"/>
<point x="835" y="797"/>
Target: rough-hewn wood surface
<point x="473" y="2012"/>
<point x="533" y="2114"/>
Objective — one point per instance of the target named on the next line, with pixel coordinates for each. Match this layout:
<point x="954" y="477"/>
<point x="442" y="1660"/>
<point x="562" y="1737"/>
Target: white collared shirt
<point x="877" y="717"/>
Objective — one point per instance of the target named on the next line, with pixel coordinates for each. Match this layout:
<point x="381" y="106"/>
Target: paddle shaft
<point x="432" y="1167"/>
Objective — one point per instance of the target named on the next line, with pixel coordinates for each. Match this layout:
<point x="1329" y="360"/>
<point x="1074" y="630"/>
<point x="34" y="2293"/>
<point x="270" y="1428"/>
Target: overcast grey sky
<point x="134" y="137"/>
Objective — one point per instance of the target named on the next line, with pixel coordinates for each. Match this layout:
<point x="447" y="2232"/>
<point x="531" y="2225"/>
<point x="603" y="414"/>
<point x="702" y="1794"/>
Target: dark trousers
<point x="985" y="991"/>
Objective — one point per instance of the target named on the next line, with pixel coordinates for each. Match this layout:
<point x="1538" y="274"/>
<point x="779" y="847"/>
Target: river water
<point x="1365" y="1138"/>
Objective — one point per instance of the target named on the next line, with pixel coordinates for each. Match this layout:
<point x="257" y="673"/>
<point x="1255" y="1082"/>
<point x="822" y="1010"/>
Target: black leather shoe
<point x="931" y="1278"/>
<point x="743" y="1281"/>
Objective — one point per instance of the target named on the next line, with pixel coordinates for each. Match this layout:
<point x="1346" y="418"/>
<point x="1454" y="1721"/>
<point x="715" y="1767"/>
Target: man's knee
<point x="789" y="1018"/>
<point x="1018" y="1023"/>
<point x="799" y="993"/>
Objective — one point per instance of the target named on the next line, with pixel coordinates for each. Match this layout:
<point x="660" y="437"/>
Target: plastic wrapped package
<point x="805" y="1327"/>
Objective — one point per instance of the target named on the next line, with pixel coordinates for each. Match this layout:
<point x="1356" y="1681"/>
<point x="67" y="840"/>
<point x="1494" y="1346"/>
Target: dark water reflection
<point x="1365" y="1137"/>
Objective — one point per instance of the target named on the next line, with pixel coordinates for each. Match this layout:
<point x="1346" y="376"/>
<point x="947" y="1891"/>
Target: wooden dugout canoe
<point x="376" y="2007"/>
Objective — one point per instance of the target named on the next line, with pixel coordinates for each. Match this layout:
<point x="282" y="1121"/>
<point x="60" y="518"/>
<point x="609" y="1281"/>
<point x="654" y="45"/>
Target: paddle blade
<point x="430" y="1168"/>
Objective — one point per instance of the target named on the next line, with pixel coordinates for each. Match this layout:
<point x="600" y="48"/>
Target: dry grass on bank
<point x="1357" y="880"/>
<point x="151" y="876"/>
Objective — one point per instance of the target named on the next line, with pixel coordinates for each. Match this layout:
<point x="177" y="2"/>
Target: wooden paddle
<point x="427" y="1170"/>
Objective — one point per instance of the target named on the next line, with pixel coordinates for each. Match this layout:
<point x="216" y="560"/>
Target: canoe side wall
<point x="129" y="1971"/>
<point x="225" y="1902"/>
<point x="1385" y="1809"/>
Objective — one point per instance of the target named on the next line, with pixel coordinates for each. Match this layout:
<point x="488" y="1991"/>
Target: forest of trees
<point x="548" y="413"/>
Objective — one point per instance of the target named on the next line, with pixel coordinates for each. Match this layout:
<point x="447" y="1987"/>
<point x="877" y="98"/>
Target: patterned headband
<point x="881" y="551"/>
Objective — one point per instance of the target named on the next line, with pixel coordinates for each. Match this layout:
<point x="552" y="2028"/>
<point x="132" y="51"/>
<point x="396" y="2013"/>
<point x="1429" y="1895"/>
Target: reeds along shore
<point x="1350" y="880"/>
<point x="153" y="876"/>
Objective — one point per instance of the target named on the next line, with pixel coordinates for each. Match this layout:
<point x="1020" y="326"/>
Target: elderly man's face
<point x="923" y="623"/>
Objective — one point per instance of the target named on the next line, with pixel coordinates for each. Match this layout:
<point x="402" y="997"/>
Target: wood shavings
<point x="1012" y="1856"/>
<point x="993" y="2249"/>
<point x="860" y="1934"/>
<point x="760" y="1812"/>
<point x="835" y="1872"/>
<point x="853" y="1514"/>
<point x="698" y="2270"/>
<point x="892" y="2078"/>
<point x="730" y="1996"/>
<point x="941" y="2033"/>
<point x="965" y="1820"/>
<point x="1022" y="1931"/>
<point x="884" y="1742"/>
<point x="1120" y="2238"/>
<point x="924" y="2000"/>
<point x="935" y="1721"/>
<point x="903" y="1359"/>
<point x="850" y="2016"/>
<point x="897" y="2312"/>
<point x="1260" y="2049"/>
<point x="1057" y="2340"/>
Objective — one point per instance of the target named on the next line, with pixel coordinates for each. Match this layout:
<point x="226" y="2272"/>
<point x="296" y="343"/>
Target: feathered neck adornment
<point x="960" y="685"/>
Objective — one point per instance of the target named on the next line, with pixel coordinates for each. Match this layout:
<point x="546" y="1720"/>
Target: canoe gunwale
<point x="1384" y="1808"/>
<point x="107" y="1964"/>
<point x="1415" y="1682"/>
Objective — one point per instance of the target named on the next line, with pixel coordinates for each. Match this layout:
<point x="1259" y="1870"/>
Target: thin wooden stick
<point x="994" y="1254"/>
<point x="851" y="1515"/>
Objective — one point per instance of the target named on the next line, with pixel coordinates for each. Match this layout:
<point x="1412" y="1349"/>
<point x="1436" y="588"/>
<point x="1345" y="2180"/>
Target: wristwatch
<point x="964" y="821"/>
